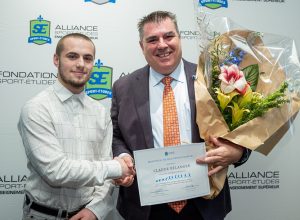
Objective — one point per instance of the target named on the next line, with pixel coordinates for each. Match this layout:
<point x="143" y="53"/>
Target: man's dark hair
<point x="156" y="17"/>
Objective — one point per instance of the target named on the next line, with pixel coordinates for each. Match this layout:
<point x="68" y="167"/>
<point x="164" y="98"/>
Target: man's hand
<point x="84" y="214"/>
<point x="224" y="154"/>
<point x="129" y="179"/>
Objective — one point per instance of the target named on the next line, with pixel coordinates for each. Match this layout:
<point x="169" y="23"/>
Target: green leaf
<point x="251" y="74"/>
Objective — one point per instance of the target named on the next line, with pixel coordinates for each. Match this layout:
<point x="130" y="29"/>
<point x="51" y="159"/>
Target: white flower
<point x="232" y="78"/>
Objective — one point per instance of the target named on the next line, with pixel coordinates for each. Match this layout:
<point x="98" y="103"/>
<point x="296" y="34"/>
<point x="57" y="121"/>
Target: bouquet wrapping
<point x="247" y="89"/>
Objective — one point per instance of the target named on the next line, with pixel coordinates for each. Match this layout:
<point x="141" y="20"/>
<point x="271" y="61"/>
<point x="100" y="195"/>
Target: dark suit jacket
<point x="130" y="113"/>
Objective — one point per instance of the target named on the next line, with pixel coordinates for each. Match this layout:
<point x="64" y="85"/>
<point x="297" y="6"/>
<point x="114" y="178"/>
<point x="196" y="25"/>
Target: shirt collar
<point x="177" y="74"/>
<point x="64" y="94"/>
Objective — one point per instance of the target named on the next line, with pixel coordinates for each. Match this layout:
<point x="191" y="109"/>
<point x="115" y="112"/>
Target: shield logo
<point x="39" y="31"/>
<point x="100" y="2"/>
<point x="214" y="4"/>
<point x="100" y="83"/>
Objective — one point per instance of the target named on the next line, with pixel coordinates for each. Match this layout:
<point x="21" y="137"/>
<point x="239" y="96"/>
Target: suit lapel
<point x="190" y="71"/>
<point x="141" y="98"/>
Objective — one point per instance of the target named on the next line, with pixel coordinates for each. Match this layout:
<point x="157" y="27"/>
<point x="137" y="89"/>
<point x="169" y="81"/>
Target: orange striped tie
<point x="171" y="127"/>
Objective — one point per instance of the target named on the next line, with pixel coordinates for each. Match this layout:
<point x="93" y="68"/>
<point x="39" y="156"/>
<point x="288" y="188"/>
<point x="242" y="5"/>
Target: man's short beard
<point x="76" y="85"/>
<point x="70" y="82"/>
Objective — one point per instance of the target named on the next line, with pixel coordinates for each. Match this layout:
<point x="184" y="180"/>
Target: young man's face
<point x="161" y="46"/>
<point x="75" y="63"/>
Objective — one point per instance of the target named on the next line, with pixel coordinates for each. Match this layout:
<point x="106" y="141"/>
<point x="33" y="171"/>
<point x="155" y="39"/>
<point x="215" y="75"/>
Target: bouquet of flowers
<point x="247" y="90"/>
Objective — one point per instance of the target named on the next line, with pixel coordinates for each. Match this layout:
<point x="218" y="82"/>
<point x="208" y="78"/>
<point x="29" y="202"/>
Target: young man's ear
<point x="56" y="60"/>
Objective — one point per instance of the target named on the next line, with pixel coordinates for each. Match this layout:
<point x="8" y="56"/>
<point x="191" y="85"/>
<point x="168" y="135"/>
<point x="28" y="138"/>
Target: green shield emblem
<point x="39" y="31"/>
<point x="100" y="83"/>
<point x="214" y="4"/>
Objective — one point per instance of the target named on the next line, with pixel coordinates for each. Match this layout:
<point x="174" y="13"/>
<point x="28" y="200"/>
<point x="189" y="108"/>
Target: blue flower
<point x="235" y="56"/>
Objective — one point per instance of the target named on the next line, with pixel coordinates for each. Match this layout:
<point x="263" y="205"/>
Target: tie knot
<point x="167" y="80"/>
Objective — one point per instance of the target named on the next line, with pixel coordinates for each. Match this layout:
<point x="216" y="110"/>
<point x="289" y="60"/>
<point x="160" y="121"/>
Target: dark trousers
<point x="164" y="212"/>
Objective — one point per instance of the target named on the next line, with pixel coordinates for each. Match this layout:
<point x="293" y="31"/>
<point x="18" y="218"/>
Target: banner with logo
<point x="29" y="31"/>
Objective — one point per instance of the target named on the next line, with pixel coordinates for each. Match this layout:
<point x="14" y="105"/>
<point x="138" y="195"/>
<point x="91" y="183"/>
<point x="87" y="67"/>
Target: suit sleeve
<point x="118" y="145"/>
<point x="244" y="158"/>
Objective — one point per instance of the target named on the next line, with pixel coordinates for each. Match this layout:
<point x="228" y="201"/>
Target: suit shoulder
<point x="127" y="79"/>
<point x="189" y="64"/>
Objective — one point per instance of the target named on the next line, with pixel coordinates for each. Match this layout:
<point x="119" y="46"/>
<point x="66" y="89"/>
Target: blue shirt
<point x="179" y="86"/>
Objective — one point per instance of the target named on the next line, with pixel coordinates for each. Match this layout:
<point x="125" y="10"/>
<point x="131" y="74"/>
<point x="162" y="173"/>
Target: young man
<point x="138" y="116"/>
<point x="67" y="139"/>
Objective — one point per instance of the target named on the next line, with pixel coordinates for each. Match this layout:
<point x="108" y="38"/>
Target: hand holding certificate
<point x="171" y="174"/>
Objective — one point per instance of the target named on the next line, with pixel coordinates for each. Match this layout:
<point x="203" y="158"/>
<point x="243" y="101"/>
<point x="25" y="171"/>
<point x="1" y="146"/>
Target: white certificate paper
<point x="171" y="174"/>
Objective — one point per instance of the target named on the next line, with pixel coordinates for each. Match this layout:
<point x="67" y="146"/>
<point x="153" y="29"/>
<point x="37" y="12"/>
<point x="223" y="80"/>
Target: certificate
<point x="171" y="174"/>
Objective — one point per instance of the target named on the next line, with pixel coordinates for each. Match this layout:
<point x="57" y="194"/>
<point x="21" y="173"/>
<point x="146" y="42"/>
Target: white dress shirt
<point x="67" y="139"/>
<point x="179" y="86"/>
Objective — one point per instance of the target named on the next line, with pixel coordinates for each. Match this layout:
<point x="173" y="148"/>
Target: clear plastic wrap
<point x="247" y="87"/>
